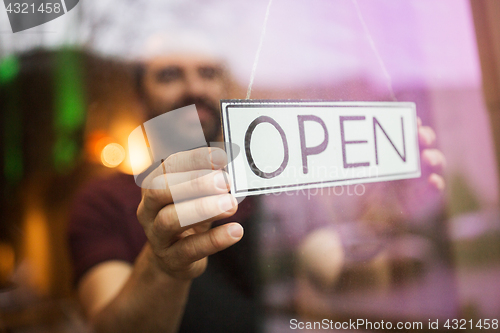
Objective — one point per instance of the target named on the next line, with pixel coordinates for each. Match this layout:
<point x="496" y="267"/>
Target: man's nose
<point x="196" y="86"/>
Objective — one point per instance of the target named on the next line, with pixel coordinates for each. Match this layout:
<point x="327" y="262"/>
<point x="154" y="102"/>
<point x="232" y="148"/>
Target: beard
<point x="208" y="113"/>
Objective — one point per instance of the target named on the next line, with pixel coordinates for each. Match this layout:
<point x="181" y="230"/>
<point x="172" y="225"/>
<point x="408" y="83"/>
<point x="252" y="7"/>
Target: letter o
<point x="248" y="138"/>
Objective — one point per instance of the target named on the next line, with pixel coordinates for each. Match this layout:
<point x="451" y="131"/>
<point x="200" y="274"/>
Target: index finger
<point x="426" y="137"/>
<point x="196" y="159"/>
<point x="206" y="158"/>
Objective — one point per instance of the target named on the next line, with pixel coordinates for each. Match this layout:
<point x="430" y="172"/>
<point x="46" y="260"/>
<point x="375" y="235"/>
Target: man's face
<point x="172" y="82"/>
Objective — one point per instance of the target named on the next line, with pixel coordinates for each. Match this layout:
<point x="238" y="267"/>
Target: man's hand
<point x="188" y="187"/>
<point x="415" y="199"/>
<point x="151" y="294"/>
<point x="422" y="198"/>
<point x="432" y="159"/>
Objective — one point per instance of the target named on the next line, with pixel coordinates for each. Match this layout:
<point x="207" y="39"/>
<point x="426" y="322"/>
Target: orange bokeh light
<point x="112" y="155"/>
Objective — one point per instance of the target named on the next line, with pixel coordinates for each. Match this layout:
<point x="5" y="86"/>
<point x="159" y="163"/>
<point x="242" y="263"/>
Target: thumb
<point x="200" y="245"/>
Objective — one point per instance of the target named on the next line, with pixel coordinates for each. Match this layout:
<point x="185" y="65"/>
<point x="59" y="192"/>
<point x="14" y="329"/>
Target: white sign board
<point x="292" y="145"/>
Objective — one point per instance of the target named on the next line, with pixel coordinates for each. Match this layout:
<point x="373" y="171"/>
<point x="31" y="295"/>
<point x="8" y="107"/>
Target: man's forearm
<point x="150" y="301"/>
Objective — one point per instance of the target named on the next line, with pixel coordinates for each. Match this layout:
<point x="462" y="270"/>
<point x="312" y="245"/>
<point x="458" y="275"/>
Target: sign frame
<point x="226" y="104"/>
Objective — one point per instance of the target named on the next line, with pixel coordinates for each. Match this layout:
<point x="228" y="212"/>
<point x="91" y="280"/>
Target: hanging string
<point x="256" y="60"/>
<point x="375" y="51"/>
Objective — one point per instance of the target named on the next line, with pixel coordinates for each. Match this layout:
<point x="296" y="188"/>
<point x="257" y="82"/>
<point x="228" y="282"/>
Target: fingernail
<point x="225" y="203"/>
<point x="235" y="231"/>
<point x="218" y="158"/>
<point x="431" y="158"/>
<point x="220" y="182"/>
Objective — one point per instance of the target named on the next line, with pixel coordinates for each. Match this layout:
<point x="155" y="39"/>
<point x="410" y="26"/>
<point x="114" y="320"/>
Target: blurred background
<point x="68" y="103"/>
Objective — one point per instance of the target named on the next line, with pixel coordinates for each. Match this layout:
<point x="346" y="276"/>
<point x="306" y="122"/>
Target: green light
<point x="12" y="121"/>
<point x="65" y="152"/>
<point x="9" y="67"/>
<point x="69" y="108"/>
<point x="13" y="164"/>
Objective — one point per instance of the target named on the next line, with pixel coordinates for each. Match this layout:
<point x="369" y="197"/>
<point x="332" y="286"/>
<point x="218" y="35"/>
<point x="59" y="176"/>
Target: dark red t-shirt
<point x="104" y="226"/>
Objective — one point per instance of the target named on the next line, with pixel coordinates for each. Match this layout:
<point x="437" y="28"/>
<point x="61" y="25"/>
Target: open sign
<point x="290" y="145"/>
